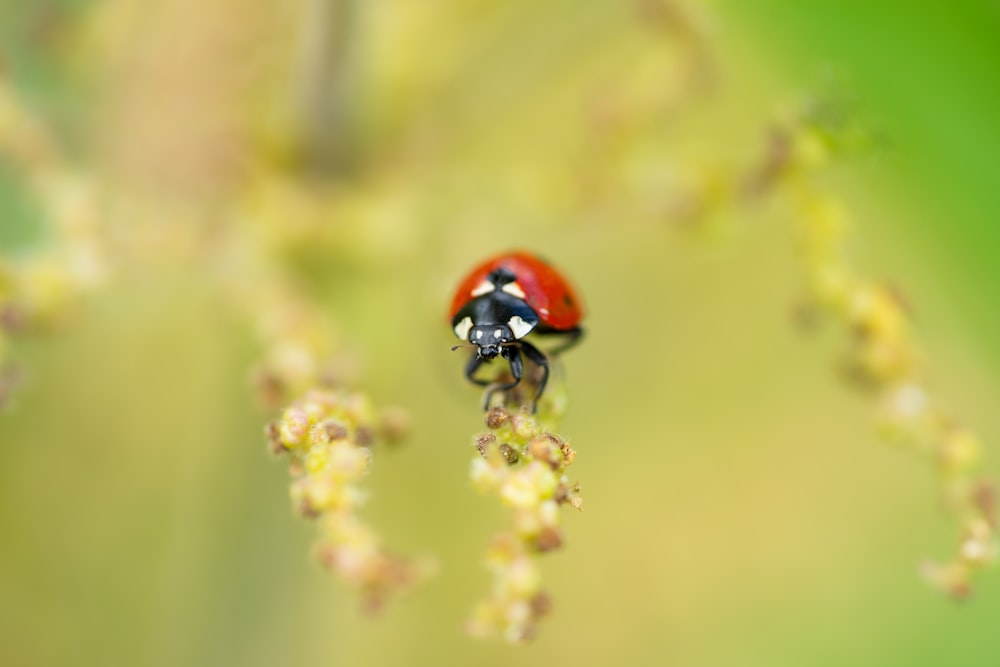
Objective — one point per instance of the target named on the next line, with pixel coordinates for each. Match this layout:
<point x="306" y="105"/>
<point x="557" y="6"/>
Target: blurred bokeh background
<point x="740" y="509"/>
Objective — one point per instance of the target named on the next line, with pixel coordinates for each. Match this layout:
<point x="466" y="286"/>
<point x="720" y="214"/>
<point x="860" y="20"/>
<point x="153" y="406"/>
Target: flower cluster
<point x="524" y="465"/>
<point x="329" y="431"/>
<point x="39" y="289"/>
<point x="328" y="438"/>
<point x="883" y="359"/>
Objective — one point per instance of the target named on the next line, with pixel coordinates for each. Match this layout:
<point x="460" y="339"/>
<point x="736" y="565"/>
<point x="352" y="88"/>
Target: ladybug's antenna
<point x="510" y="343"/>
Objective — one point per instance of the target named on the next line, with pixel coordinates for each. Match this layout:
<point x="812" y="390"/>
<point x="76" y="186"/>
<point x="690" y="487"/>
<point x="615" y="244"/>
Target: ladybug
<point x="503" y="300"/>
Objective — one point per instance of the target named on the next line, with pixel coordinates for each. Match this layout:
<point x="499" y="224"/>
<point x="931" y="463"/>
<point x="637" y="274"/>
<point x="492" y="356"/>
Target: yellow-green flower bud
<point x="294" y="426"/>
<point x="959" y="452"/>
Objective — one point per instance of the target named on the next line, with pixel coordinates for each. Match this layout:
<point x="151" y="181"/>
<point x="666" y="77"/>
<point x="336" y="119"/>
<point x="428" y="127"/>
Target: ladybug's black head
<point x="489" y="339"/>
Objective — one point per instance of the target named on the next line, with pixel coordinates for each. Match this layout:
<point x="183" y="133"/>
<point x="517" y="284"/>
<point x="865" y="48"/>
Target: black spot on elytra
<point x="568" y="300"/>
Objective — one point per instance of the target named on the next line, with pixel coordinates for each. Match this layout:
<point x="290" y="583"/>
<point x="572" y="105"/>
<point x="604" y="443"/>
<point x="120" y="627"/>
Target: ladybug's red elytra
<point x="503" y="300"/>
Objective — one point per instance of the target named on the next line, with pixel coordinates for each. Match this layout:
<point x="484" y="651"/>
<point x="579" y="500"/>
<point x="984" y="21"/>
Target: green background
<point x="927" y="71"/>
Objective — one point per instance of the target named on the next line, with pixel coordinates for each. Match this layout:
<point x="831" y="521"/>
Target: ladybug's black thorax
<point x="496" y="308"/>
<point x="493" y="320"/>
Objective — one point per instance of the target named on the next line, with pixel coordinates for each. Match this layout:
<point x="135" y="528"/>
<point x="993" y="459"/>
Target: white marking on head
<point x="496" y="333"/>
<point x="514" y="290"/>
<point x="519" y="326"/>
<point x="463" y="327"/>
<point x="479" y="334"/>
<point x="484" y="287"/>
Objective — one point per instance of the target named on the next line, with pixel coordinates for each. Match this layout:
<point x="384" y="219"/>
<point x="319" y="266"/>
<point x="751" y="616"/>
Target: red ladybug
<point x="503" y="300"/>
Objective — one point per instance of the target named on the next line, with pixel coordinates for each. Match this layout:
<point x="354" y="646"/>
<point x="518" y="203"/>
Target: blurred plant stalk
<point x="328" y="88"/>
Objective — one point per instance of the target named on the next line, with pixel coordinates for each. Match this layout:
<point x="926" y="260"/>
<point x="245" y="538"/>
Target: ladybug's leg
<point x="475" y="361"/>
<point x="538" y="358"/>
<point x="512" y="354"/>
<point x="573" y="337"/>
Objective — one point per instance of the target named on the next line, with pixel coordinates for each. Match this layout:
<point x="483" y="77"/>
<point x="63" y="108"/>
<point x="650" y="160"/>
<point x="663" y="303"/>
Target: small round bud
<point x="335" y="430"/>
<point x="519" y="490"/>
<point x="12" y="318"/>
<point x="359" y="408"/>
<point x="548" y="540"/>
<point x="979" y="546"/>
<point x="294" y="427"/>
<point x="318" y="435"/>
<point x="273" y="433"/>
<point x="959" y="452"/>
<point x="524" y="426"/>
<point x="485" y="476"/>
<point x="348" y="462"/>
<point x="394" y="424"/>
<point x="548" y="513"/>
<point x="316" y="460"/>
<point x="509" y="454"/>
<point x="541" y="604"/>
<point x="526" y="524"/>
<point x="984" y="498"/>
<point x="543" y="449"/>
<point x="364" y="436"/>
<point x="569" y="454"/>
<point x="497" y="417"/>
<point x="523" y="578"/>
